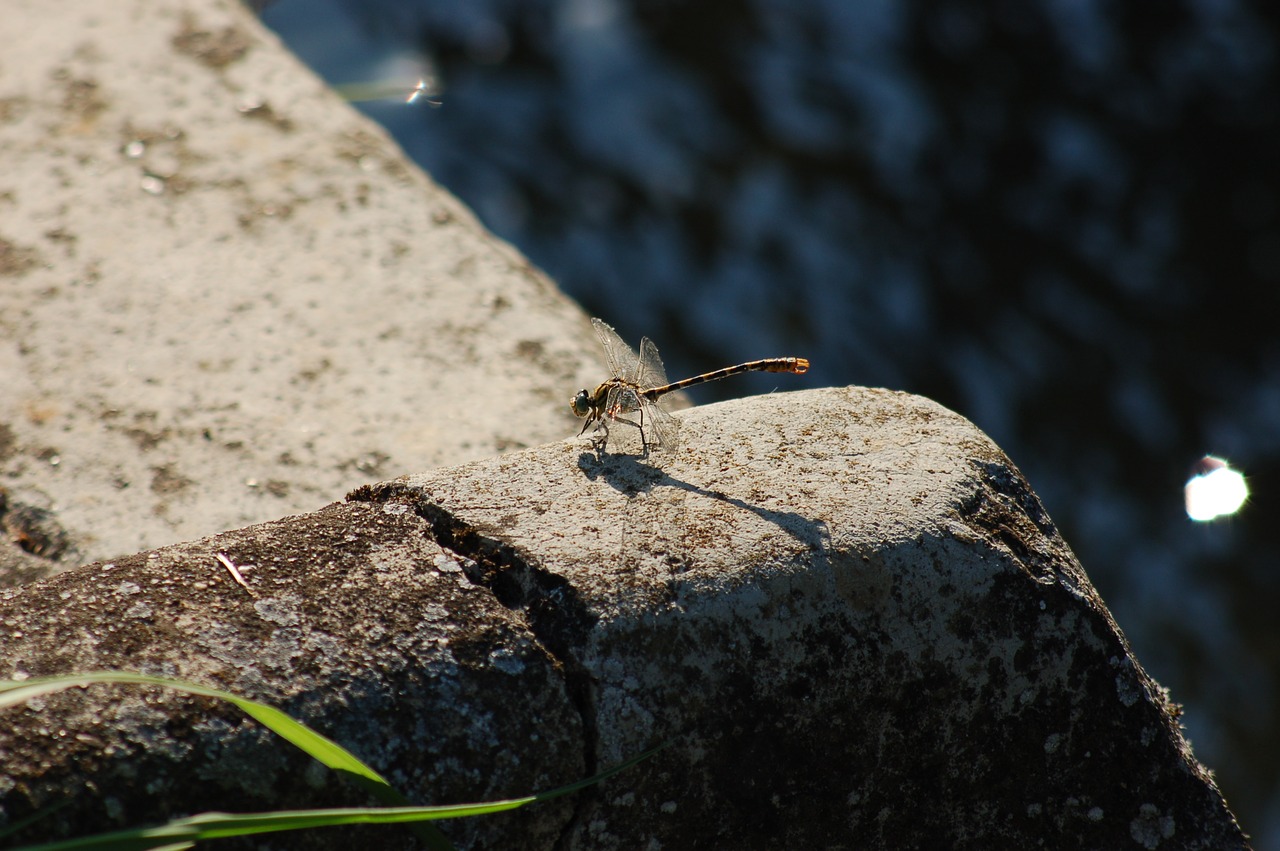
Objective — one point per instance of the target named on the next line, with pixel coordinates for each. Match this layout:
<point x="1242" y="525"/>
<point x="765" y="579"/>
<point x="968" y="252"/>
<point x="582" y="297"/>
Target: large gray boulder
<point x="844" y="609"/>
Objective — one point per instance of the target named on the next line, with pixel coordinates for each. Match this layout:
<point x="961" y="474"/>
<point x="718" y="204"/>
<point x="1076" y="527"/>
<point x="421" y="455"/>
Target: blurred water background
<point x="1060" y="218"/>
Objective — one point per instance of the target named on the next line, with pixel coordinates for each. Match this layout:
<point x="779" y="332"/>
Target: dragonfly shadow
<point x="631" y="475"/>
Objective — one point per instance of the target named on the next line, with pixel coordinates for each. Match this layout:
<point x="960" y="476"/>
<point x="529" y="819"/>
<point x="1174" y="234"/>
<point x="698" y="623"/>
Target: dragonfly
<point x="637" y="381"/>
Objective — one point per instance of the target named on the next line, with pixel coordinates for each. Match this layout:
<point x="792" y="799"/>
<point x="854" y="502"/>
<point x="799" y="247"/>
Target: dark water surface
<point x="1059" y="218"/>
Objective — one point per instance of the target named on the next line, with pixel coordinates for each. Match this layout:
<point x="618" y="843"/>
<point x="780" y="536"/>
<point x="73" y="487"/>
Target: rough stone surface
<point x="356" y="623"/>
<point x="844" y="610"/>
<point x="226" y="297"/>
<point x="853" y="615"/>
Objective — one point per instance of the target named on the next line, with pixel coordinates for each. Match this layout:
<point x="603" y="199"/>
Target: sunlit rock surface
<point x="844" y="612"/>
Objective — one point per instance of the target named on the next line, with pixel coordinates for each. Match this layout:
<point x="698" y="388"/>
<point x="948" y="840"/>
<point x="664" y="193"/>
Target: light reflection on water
<point x="1214" y="490"/>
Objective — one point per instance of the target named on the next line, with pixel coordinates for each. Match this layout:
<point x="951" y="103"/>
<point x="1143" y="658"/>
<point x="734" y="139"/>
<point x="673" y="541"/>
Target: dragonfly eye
<point x="581" y="403"/>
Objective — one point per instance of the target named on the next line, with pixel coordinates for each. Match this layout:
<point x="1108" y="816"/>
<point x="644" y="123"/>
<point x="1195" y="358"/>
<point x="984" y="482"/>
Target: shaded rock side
<point x="844" y="610"/>
<point x="356" y="623"/>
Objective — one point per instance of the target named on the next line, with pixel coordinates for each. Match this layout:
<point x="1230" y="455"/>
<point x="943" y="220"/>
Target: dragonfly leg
<point x="629" y="422"/>
<point x="619" y="419"/>
<point x="644" y="441"/>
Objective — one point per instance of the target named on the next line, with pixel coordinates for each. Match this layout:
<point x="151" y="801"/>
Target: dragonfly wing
<point x="663" y="430"/>
<point x="649" y="372"/>
<point x="621" y="357"/>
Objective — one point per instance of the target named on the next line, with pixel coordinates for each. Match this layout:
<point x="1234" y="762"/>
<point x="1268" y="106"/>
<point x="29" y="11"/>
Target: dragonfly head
<point x="581" y="403"/>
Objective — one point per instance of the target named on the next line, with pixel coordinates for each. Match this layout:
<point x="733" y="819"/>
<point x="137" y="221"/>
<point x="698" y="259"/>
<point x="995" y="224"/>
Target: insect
<point x="637" y="381"/>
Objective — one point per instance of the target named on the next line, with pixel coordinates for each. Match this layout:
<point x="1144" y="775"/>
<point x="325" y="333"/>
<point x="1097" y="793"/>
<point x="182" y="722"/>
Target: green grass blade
<point x="324" y="749"/>
<point x="224" y="825"/>
<point x="182" y="833"/>
<point x="321" y="748"/>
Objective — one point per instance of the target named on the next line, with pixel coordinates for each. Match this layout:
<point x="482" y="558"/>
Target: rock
<point x="356" y="623"/>
<point x="32" y="542"/>
<point x="845" y="610"/>
<point x="225" y="296"/>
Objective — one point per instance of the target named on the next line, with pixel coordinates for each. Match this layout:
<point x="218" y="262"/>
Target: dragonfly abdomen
<point x="792" y="365"/>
